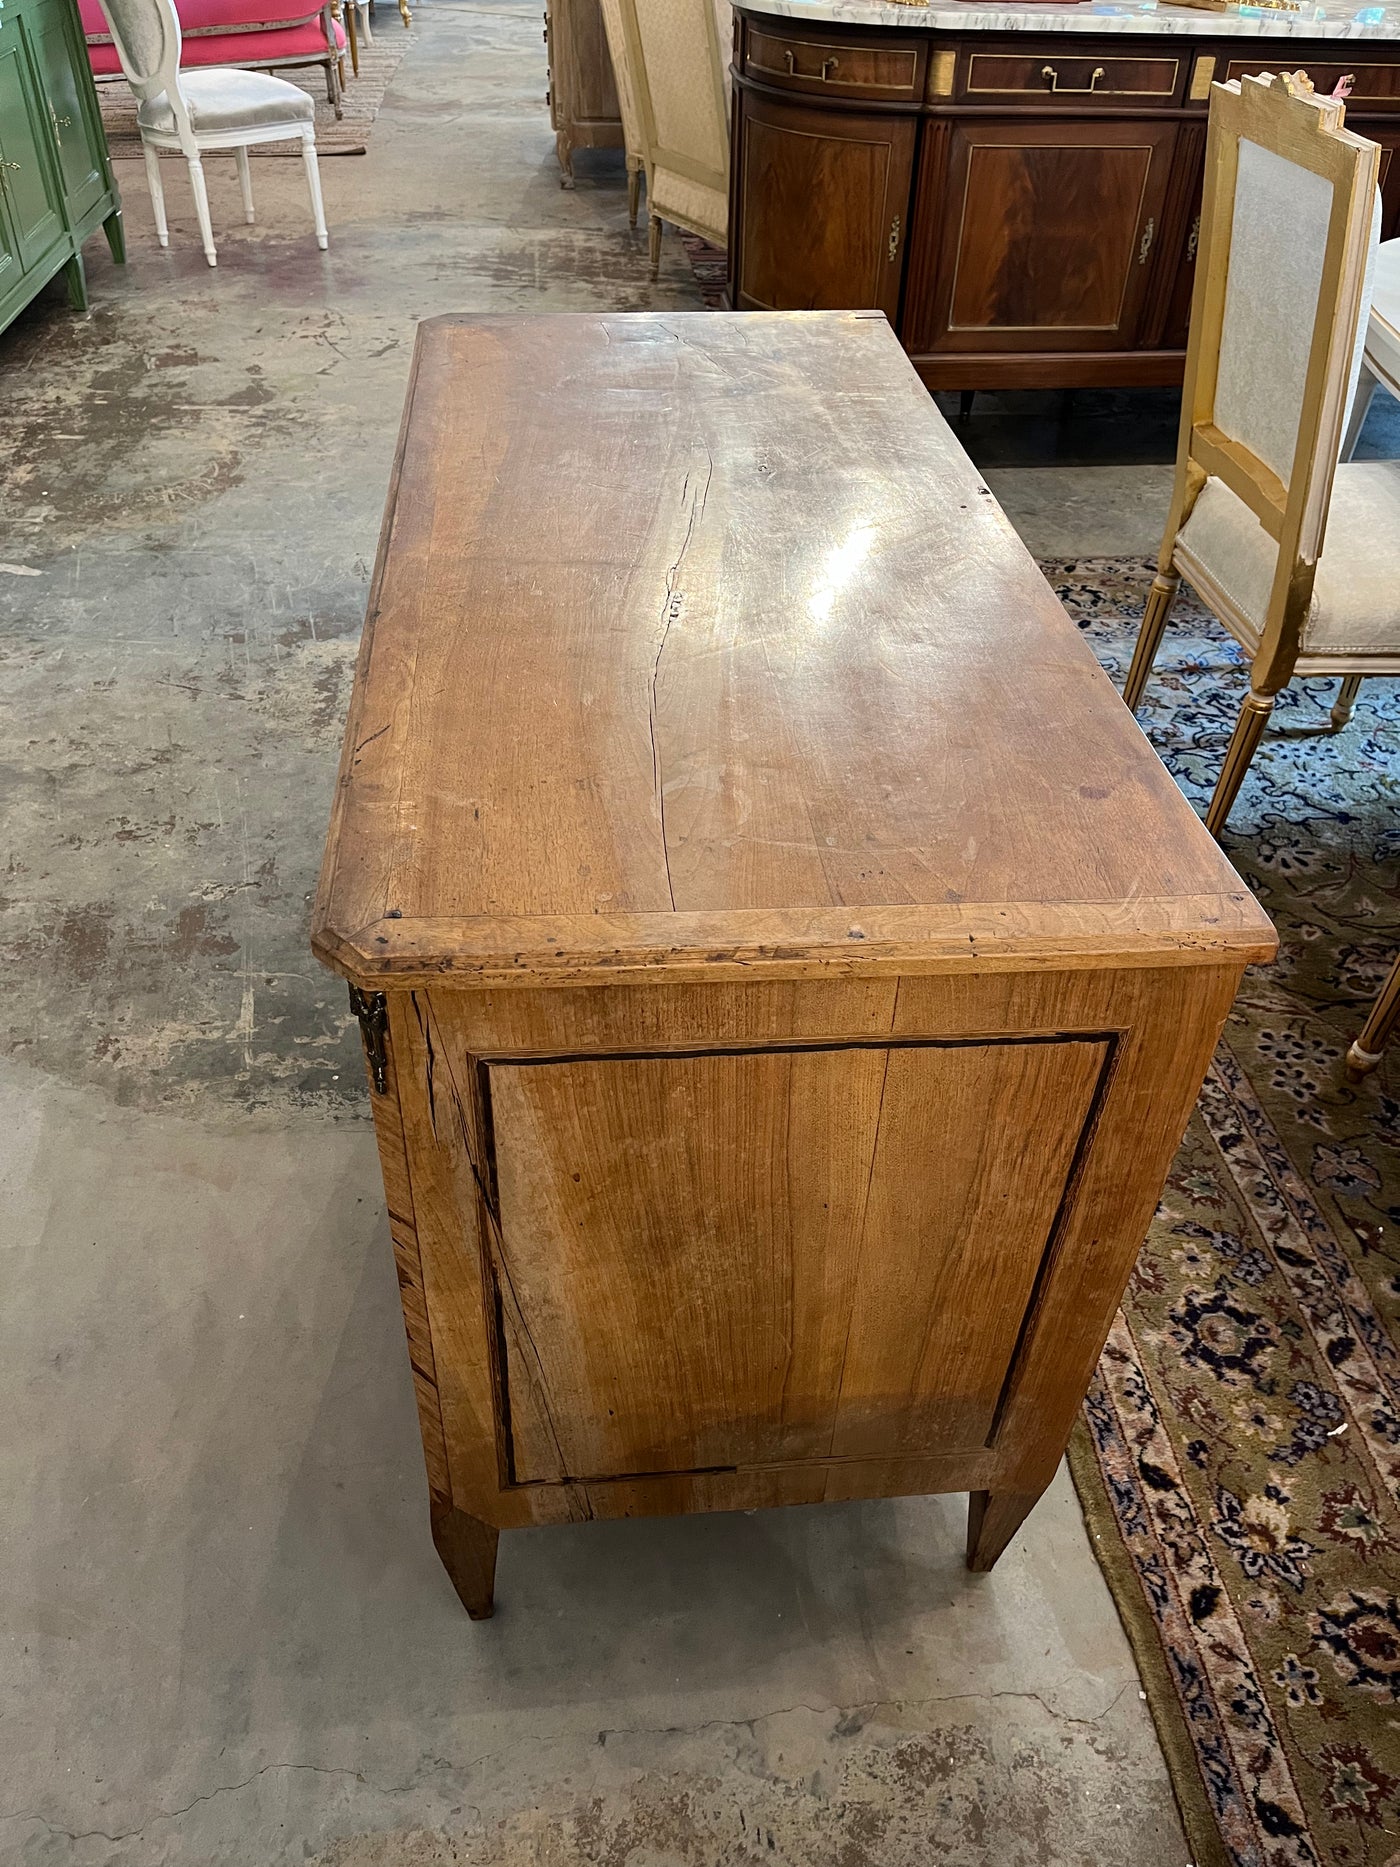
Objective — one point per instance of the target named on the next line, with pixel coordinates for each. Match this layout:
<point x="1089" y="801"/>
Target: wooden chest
<point x="785" y="968"/>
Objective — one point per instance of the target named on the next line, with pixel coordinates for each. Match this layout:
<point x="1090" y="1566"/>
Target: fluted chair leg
<point x="1365" y="1053"/>
<point x="1244" y="743"/>
<point x="654" y="243"/>
<point x="1154" y="621"/>
<point x="1345" y="704"/>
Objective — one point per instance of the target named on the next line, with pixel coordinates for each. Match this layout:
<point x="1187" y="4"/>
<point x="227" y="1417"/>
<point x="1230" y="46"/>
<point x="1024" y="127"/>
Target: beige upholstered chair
<point x="214" y="107"/>
<point x="1380" y="362"/>
<point x="1287" y="226"/>
<point x="632" y="139"/>
<point x="676" y="53"/>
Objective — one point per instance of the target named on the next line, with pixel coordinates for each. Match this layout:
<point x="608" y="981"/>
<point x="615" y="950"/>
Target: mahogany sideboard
<point x="785" y="969"/>
<point x="1023" y="205"/>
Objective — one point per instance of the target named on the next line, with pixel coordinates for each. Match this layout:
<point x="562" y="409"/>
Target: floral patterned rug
<point x="1239" y="1454"/>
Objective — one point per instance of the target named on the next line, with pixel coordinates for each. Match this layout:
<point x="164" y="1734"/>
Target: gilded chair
<point x="1380" y="360"/>
<point x="211" y="108"/>
<point x="1365" y="1053"/>
<point x="674" y="52"/>
<point x="1287" y="227"/>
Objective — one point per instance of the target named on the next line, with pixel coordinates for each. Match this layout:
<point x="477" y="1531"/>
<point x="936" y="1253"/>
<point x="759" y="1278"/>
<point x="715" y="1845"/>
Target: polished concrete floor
<point x="227" y="1639"/>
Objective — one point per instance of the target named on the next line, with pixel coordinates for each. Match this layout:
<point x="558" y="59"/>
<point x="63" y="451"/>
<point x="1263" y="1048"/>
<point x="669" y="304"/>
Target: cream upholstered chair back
<point x="678" y="55"/>
<point x="146" y="34"/>
<point x="1276" y="324"/>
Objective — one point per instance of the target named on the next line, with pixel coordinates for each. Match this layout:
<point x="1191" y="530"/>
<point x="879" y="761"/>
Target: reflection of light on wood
<point x="842" y="562"/>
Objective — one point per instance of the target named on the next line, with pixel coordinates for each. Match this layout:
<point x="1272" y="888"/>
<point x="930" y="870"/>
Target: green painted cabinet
<point x="56" y="183"/>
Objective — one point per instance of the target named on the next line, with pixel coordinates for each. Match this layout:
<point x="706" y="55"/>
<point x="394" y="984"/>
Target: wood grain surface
<point x="698" y="639"/>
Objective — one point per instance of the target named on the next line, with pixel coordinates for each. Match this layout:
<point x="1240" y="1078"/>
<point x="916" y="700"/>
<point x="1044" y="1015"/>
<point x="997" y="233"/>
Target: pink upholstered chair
<point x="259" y="35"/>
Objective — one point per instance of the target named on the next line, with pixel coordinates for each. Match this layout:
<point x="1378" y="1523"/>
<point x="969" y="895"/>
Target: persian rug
<point x="1238" y="1458"/>
<point x="710" y="264"/>
<point x="343" y="136"/>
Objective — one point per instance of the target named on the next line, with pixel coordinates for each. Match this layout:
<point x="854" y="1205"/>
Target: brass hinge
<point x="894" y="238"/>
<point x="1149" y="233"/>
<point x="1193" y="241"/>
<point x="372" y="1010"/>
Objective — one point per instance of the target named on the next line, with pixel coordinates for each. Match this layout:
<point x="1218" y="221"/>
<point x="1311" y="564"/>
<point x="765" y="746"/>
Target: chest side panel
<point x="711" y="1261"/>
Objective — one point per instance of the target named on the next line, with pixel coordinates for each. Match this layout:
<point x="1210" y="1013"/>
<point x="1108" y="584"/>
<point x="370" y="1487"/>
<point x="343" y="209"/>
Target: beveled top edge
<point x="756" y="943"/>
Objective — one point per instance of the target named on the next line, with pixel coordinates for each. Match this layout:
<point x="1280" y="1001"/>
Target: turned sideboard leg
<point x="993" y="1518"/>
<point x="468" y="1551"/>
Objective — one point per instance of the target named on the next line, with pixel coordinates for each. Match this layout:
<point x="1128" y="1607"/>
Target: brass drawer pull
<point x="828" y="66"/>
<point x="1052" y="78"/>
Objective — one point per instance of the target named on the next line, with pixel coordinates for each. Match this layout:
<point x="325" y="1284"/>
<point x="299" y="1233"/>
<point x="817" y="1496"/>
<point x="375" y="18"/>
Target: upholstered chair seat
<point x="225" y="99"/>
<point x="1355" y="608"/>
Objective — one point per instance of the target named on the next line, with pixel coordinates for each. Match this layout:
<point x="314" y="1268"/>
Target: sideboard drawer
<point x="1075" y="79"/>
<point x="1377" y="85"/>
<point x="884" y="71"/>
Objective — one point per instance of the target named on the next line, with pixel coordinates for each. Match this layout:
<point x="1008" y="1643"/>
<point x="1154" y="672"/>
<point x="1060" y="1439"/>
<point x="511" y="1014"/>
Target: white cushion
<point x="1356" y="594"/>
<point x="220" y="99"/>
<point x="1383" y="331"/>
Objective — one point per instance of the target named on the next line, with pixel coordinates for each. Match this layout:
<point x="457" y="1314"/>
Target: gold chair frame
<point x="1285" y="118"/>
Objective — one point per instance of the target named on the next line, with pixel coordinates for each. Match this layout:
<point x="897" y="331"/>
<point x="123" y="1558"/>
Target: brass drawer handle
<point x="828" y="66"/>
<point x="1052" y="78"/>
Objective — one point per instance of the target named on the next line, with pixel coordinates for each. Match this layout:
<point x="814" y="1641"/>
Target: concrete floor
<point x="228" y="1639"/>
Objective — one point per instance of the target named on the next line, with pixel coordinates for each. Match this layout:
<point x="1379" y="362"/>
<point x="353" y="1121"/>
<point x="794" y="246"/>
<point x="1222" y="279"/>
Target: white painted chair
<point x="1288" y="227"/>
<point x="205" y="108"/>
<point x="1380" y="363"/>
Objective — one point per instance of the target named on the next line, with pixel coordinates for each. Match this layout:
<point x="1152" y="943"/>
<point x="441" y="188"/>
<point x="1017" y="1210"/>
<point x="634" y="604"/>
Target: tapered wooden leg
<point x="1365" y="1053"/>
<point x="201" y="209"/>
<point x="157" y="193"/>
<point x="654" y="243"/>
<point x="1154" y="621"/>
<point x="993" y="1518"/>
<point x="966" y="397"/>
<point x="116" y="236"/>
<point x="634" y="195"/>
<point x="1244" y="742"/>
<point x="468" y="1551"/>
<point x="76" y="275"/>
<point x="1345" y="703"/>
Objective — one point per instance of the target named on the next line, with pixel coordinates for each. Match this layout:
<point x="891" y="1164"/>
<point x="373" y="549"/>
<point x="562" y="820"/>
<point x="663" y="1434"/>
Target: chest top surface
<point x="696" y="642"/>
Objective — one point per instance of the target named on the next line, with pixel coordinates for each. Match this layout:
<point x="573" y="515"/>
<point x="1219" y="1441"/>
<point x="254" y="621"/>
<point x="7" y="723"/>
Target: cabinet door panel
<point x="1048" y="230"/>
<point x="823" y="205"/>
<point x="734" y="1260"/>
<point x="30" y="193"/>
<point x="56" y="49"/>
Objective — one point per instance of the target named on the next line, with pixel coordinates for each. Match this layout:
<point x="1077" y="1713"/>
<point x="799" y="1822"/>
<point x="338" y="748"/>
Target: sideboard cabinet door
<point x="30" y="193"/>
<point x="829" y="196"/>
<point x="1049" y="234"/>
<point x="59" y="55"/>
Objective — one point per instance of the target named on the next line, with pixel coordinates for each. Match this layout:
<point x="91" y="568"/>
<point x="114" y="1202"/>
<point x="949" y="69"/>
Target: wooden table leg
<point x="993" y="1518"/>
<point x="468" y="1551"/>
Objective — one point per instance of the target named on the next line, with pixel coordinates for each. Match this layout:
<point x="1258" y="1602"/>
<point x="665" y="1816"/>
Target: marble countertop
<point x="1319" y="19"/>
